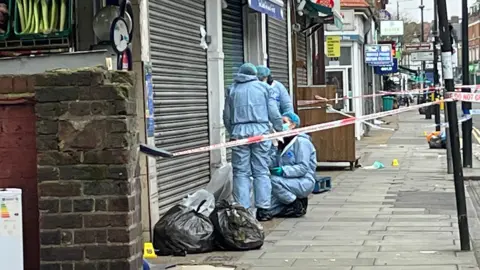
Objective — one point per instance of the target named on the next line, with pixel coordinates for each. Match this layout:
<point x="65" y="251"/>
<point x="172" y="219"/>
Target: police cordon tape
<point x="419" y="91"/>
<point x="153" y="151"/>
<point x="319" y="99"/>
<point x="464" y="96"/>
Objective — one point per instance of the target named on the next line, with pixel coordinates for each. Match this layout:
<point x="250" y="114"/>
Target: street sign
<point x="422" y="56"/>
<point x="378" y="54"/>
<point x="420" y="46"/>
<point x="391" y="28"/>
<point x="333" y="46"/>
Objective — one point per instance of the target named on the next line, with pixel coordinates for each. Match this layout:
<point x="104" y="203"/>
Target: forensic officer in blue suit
<point x="250" y="106"/>
<point x="284" y="100"/>
<point x="293" y="172"/>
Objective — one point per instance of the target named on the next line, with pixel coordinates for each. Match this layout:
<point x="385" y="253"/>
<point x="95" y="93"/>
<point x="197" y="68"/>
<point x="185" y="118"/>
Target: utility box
<point x="11" y="229"/>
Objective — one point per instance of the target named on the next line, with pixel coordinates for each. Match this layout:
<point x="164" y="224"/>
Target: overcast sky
<point x="410" y="8"/>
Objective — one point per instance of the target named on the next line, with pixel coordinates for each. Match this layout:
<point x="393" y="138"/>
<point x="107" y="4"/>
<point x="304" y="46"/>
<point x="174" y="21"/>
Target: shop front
<point x="348" y="71"/>
<point x="180" y="96"/>
<point x="278" y="37"/>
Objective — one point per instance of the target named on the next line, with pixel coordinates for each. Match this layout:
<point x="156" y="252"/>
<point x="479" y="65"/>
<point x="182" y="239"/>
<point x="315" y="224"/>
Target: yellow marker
<point x="425" y="134"/>
<point x="148" y="251"/>
<point x="442" y="104"/>
<point x="395" y="163"/>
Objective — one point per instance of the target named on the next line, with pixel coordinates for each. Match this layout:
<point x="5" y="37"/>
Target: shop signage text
<point x="382" y="70"/>
<point x="420" y="46"/>
<point x="378" y="54"/>
<point x="333" y="46"/>
<point x="391" y="28"/>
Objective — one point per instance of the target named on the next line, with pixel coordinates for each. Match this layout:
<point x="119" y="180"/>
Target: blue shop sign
<point x="273" y="8"/>
<point x="378" y="54"/>
<point x="383" y="70"/>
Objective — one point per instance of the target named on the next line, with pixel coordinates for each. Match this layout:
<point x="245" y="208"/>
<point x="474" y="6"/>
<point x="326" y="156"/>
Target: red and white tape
<point x="309" y="129"/>
<point x="464" y="96"/>
<point x="419" y="91"/>
<point x="320" y="99"/>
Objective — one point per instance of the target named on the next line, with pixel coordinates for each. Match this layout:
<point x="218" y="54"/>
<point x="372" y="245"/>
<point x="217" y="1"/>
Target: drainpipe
<point x="319" y="60"/>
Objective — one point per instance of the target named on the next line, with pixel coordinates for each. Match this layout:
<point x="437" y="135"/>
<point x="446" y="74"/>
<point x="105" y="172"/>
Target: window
<point x="345" y="57"/>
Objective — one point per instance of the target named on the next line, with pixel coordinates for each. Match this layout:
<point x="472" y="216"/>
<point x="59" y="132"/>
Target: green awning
<point x="315" y="9"/>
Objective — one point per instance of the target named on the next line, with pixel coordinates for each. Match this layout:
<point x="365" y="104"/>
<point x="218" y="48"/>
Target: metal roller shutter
<point x="278" y="48"/>
<point x="302" y="56"/>
<point x="232" y="19"/>
<point x="180" y="96"/>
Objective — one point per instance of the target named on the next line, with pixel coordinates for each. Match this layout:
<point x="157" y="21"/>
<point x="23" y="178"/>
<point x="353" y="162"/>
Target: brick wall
<point x="18" y="165"/>
<point x="89" y="190"/>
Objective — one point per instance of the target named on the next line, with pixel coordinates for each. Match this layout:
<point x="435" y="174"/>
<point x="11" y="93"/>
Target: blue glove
<point x="278" y="171"/>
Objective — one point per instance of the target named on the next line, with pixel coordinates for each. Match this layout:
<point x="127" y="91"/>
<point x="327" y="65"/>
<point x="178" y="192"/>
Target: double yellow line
<point x="476" y="134"/>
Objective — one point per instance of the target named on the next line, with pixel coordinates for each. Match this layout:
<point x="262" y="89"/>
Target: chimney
<point x="454" y="19"/>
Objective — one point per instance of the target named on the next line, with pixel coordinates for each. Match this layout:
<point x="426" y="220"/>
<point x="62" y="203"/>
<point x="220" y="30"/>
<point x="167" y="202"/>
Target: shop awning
<point x="325" y="8"/>
<point x="273" y="8"/>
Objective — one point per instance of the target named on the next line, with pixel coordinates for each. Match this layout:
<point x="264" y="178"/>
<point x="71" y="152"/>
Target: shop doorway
<point x="342" y="79"/>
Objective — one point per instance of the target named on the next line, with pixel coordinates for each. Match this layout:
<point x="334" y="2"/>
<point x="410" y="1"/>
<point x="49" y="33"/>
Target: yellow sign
<point x="333" y="46"/>
<point x="148" y="251"/>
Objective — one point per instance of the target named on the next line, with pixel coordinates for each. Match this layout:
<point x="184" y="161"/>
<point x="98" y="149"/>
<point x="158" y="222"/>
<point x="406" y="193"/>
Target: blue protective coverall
<point x="249" y="107"/>
<point x="298" y="161"/>
<point x="284" y="100"/>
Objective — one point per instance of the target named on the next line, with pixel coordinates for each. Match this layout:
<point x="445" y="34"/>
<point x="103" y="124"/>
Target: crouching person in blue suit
<point x="292" y="172"/>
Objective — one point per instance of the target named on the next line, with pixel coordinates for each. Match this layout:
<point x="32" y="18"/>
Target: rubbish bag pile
<point x="207" y="220"/>
<point x="437" y="140"/>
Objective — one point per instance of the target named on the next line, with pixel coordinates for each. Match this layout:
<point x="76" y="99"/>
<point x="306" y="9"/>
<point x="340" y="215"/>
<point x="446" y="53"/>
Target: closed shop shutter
<point x="232" y="44"/>
<point x="179" y="69"/>
<point x="278" y="48"/>
<point x="302" y="74"/>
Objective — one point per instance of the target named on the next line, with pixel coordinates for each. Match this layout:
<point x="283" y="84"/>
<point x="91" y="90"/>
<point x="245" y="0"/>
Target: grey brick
<point x="331" y="262"/>
<point x="420" y="229"/>
<point x="411" y="267"/>
<point x="408" y="242"/>
<point x="423" y="261"/>
<point x="310" y="255"/>
<point x="303" y="268"/>
<point x="415" y="224"/>
<point x="319" y="243"/>
<point x="266" y="262"/>
<point x="419" y="247"/>
<point x="408" y="254"/>
<point x="341" y="248"/>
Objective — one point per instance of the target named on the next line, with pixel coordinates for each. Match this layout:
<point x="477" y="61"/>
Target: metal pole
<point x="466" y="106"/>
<point x="447" y="133"/>
<point x="453" y="126"/>
<point x="398" y="10"/>
<point x="435" y="65"/>
<point x="428" y="112"/>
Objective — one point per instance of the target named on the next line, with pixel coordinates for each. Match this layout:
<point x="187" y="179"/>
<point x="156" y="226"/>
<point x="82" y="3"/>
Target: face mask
<point x="285" y="127"/>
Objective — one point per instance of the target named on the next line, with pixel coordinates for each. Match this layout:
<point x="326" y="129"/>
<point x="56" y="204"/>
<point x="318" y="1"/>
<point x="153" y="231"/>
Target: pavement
<point x="387" y="219"/>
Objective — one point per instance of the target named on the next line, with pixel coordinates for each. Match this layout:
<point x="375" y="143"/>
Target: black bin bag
<point x="235" y="228"/>
<point x="183" y="230"/>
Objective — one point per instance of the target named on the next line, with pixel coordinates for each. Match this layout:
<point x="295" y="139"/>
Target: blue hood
<point x="242" y="78"/>
<point x="305" y="135"/>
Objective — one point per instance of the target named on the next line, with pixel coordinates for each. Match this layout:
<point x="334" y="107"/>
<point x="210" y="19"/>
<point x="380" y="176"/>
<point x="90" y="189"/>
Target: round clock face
<point x="119" y="35"/>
